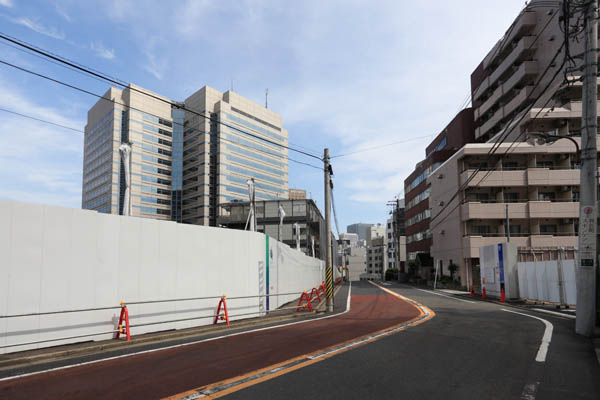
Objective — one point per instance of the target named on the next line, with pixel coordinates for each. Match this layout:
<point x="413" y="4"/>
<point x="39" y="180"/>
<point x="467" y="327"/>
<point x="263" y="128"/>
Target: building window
<point x="546" y="196"/>
<point x="480" y="229"/>
<point x="511" y="197"/>
<point x="544" y="164"/>
<point x="548" y="229"/>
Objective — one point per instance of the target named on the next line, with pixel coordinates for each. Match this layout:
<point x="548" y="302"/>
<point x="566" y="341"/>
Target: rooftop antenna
<point x="267" y="98"/>
<point x="232" y="84"/>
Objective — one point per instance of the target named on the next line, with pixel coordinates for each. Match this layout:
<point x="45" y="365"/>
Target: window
<point x="480" y="229"/>
<point x="509" y="165"/>
<point x="511" y="197"/>
<point x="515" y="229"/>
<point x="482" y="197"/>
<point x="544" y="164"/>
<point x="548" y="228"/>
<point x="546" y="196"/>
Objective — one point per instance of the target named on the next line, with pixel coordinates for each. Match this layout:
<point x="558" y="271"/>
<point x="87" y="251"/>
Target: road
<point x="468" y="350"/>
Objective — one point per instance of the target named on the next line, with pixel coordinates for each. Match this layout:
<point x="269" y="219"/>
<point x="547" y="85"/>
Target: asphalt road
<point x="171" y="371"/>
<point x="468" y="351"/>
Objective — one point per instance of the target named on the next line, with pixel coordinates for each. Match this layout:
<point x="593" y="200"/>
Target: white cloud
<point x="6" y="3"/>
<point x="101" y="51"/>
<point x="42" y="163"/>
<point x="60" y="11"/>
<point x="39" y="28"/>
<point x="157" y="66"/>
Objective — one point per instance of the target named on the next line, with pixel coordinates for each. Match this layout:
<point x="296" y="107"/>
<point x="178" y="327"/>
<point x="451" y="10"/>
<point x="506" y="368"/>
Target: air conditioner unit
<point x="440" y="176"/>
<point x="441" y="204"/>
<point x="567" y="220"/>
<point x="565" y="188"/>
<point x="442" y="232"/>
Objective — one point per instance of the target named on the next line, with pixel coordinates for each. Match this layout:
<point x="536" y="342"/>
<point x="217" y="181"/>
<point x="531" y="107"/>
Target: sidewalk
<point x="51" y="357"/>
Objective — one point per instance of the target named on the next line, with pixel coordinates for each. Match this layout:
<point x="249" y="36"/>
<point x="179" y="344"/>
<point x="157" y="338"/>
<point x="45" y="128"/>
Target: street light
<point x="542" y="138"/>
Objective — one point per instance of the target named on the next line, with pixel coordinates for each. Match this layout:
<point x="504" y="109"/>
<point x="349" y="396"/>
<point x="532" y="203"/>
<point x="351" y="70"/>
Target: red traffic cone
<point x="502" y="297"/>
<point x="472" y="291"/>
<point x="483" y="293"/>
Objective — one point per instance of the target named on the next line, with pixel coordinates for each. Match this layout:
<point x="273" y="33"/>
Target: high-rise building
<point x="187" y="158"/>
<point x="361" y="229"/>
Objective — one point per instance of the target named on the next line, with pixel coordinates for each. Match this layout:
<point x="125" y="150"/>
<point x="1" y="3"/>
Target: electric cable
<point x="118" y="82"/>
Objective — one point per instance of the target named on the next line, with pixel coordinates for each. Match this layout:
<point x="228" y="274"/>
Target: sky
<point x="344" y="75"/>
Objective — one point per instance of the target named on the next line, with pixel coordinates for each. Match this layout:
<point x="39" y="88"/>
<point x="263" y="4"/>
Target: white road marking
<point x="445" y="295"/>
<point x="180" y="345"/>
<point x="554" y="313"/>
<point x="543" y="350"/>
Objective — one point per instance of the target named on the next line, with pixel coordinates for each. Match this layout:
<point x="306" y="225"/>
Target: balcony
<point x="524" y="24"/>
<point x="521" y="51"/>
<point x="495" y="178"/>
<point x="523" y="210"/>
<point x="505" y="111"/>
<point x="476" y="210"/>
<point x="471" y="244"/>
<point x="558" y="240"/>
<point x="552" y="177"/>
<point x="553" y="209"/>
<point x="525" y="70"/>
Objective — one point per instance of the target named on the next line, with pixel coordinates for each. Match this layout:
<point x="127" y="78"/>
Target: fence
<point x="548" y="275"/>
<point x="68" y="259"/>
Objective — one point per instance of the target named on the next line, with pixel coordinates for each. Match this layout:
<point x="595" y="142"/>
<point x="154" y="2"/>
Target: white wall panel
<point x="63" y="259"/>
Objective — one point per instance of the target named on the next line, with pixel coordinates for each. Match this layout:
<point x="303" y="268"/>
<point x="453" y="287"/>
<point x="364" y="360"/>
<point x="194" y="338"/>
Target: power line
<point x="503" y="136"/>
<point x="114" y="81"/>
<point x="80" y="131"/>
<point x="382" y="146"/>
<point x="505" y="153"/>
<point x="137" y="109"/>
<point x="42" y="120"/>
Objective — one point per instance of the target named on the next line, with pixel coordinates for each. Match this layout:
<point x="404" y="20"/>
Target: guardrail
<point x="124" y="326"/>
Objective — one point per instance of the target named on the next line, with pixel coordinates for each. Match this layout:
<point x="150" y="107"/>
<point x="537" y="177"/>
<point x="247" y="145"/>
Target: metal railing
<point x="125" y="304"/>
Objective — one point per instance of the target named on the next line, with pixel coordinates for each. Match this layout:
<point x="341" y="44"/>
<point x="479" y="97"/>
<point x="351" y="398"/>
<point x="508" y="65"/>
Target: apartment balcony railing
<point x="503" y="112"/>
<point x="523" y="25"/>
<point x="522" y="50"/>
<point x="526" y="69"/>
<point x="472" y="243"/>
<point x="555" y="176"/>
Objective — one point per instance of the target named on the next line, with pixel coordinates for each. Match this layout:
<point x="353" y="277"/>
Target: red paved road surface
<point x="172" y="371"/>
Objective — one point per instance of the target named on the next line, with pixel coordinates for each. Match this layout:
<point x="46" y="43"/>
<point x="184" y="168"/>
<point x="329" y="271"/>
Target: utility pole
<point x="507" y="226"/>
<point x="401" y="268"/>
<point x="328" y="264"/>
<point x="588" y="209"/>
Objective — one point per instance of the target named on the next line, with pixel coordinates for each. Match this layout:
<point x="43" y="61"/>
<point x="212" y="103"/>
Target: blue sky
<point x="346" y="75"/>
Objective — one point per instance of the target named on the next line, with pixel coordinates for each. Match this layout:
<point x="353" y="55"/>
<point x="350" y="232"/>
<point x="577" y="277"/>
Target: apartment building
<point x="416" y="190"/>
<point x="187" y="158"/>
<point x="509" y="78"/>
<point x="537" y="185"/>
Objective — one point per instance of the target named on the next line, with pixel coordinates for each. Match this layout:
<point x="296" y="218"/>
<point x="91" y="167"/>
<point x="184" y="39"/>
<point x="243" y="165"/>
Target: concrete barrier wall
<point x="54" y="258"/>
